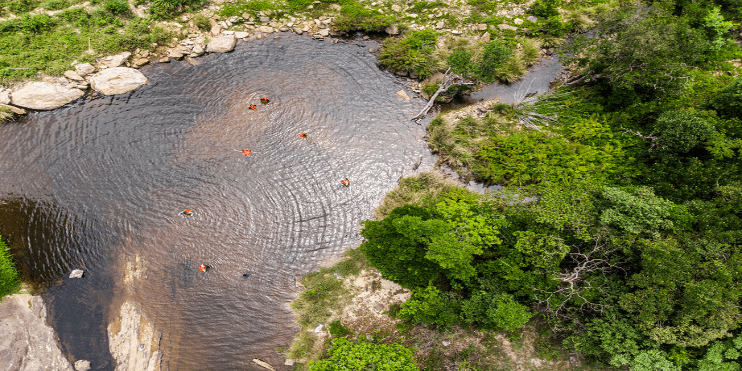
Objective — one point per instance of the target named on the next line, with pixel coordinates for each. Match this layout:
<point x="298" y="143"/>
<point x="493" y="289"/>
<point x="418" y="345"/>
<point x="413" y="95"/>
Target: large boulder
<point x="44" y="95"/>
<point x="118" y="80"/>
<point x="26" y="342"/>
<point x="222" y="44"/>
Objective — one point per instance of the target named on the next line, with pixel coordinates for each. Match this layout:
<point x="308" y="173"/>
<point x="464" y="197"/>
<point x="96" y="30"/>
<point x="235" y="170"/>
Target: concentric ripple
<point x="111" y="175"/>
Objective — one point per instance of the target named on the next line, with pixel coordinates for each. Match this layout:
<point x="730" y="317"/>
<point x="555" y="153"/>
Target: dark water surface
<point x="95" y="182"/>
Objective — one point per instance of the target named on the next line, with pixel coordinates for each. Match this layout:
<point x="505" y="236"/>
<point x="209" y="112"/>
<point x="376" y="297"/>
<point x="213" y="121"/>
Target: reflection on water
<point x="109" y="178"/>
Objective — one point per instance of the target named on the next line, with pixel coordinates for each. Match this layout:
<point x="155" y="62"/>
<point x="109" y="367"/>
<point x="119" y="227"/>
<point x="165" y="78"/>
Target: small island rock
<point x="222" y="44"/>
<point x="44" y="95"/>
<point x="77" y="273"/>
<point x="118" y="80"/>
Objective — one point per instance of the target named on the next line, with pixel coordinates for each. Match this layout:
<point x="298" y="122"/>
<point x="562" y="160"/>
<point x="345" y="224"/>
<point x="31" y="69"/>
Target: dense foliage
<point x="349" y="356"/>
<point x="9" y="279"/>
<point x="625" y="231"/>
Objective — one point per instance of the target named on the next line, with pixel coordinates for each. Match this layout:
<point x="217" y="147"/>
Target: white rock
<point x="44" y="96"/>
<point x="440" y="25"/>
<point x="72" y="75"/>
<point x="318" y="328"/>
<point x="504" y="26"/>
<point x="222" y="44"/>
<point x="518" y="21"/>
<point x="402" y="94"/>
<point x="82" y="365"/>
<point x="456" y="32"/>
<point x="77" y="273"/>
<point x="116" y="60"/>
<point x="198" y="50"/>
<point x="241" y="34"/>
<point x="228" y="32"/>
<point x="266" y="29"/>
<point x="84" y="69"/>
<point x="392" y="30"/>
<point x="4" y="97"/>
<point x="532" y="19"/>
<point x="117" y="80"/>
<point x="324" y="32"/>
<point x="396" y="8"/>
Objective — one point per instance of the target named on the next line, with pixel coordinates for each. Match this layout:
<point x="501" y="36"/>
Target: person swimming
<point x="303" y="135"/>
<point x="204" y="268"/>
<point x="345" y="182"/>
<point x="187" y="212"/>
<point x="264" y="100"/>
<point x="253" y="107"/>
<point x="247" y="152"/>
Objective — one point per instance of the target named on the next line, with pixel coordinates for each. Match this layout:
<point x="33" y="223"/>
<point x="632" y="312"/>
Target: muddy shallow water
<point x="104" y="179"/>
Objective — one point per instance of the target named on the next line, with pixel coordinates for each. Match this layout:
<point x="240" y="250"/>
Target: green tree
<point x="678" y="132"/>
<point x="9" y="279"/>
<point x="729" y="102"/>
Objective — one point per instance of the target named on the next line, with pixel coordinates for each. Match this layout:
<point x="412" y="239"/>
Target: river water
<point x="102" y="180"/>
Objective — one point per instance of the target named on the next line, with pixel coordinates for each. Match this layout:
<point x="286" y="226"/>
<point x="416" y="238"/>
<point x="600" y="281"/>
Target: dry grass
<point x="413" y="191"/>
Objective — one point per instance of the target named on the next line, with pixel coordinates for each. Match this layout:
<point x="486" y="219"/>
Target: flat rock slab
<point x="222" y="44"/>
<point x="26" y="342"/>
<point x="118" y="80"/>
<point x="44" y="95"/>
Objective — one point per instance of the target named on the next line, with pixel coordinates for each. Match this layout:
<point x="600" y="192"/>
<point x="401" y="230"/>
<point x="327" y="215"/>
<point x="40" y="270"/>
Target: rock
<point x="115" y="60"/>
<point x="392" y="30"/>
<point x="133" y="342"/>
<point x="445" y="343"/>
<point x="241" y="34"/>
<point x="401" y="73"/>
<point x="72" y="75"/>
<point x="402" y="94"/>
<point x="16" y="110"/>
<point x="482" y="26"/>
<point x="264" y="19"/>
<point x="335" y="7"/>
<point x="456" y="32"/>
<point x="82" y="365"/>
<point x="144" y="53"/>
<point x="4" y="97"/>
<point x="324" y="32"/>
<point x="396" y="8"/>
<point x="504" y="26"/>
<point x="139" y="62"/>
<point x="117" y="80"/>
<point x="412" y="15"/>
<point x="222" y="44"/>
<point x="228" y="32"/>
<point x="84" y="69"/>
<point x="439" y="25"/>
<point x="298" y="30"/>
<point x="288" y="362"/>
<point x="216" y="30"/>
<point x="193" y="62"/>
<point x="266" y="29"/>
<point x="44" y="96"/>
<point x="77" y="273"/>
<point x="485" y="38"/>
<point x="198" y="50"/>
<point x="318" y="328"/>
<point x="175" y="53"/>
<point x="532" y="19"/>
<point x="27" y="343"/>
<point x="263" y="364"/>
<point x="518" y="21"/>
<point x="283" y="29"/>
<point x="164" y="59"/>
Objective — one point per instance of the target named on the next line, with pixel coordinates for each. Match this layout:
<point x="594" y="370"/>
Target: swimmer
<point x="247" y="152"/>
<point x="345" y="182"/>
<point x="253" y="107"/>
<point x="303" y="135"/>
<point x="203" y="268"/>
<point x="264" y="100"/>
<point x="187" y="212"/>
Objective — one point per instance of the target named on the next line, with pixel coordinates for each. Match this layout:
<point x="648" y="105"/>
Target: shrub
<point x="729" y="102"/>
<point x="116" y="7"/>
<point x="511" y="70"/>
<point x="21" y="6"/>
<point x="546" y="8"/>
<point x="164" y="9"/>
<point x="460" y="62"/>
<point x="202" y="22"/>
<point x="494" y="55"/>
<point x="338" y="330"/>
<point x="8" y="274"/>
<point x="356" y="17"/>
<point x="413" y="53"/>
<point x="56" y="4"/>
<point x="495" y="311"/>
<point x="348" y="356"/>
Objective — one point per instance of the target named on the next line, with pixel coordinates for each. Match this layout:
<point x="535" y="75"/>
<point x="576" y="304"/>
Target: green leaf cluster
<point x="349" y="356"/>
<point x="9" y="278"/>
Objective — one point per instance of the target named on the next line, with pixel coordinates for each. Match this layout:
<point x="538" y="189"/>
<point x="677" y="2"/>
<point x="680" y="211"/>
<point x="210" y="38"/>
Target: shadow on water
<point x="48" y="243"/>
<point x="96" y="183"/>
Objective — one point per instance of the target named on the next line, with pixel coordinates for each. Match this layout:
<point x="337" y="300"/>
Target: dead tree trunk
<point x="449" y="79"/>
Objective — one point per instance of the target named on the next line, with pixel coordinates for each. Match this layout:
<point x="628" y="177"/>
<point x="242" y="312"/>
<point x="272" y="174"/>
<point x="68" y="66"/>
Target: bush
<point x="495" y="311"/>
<point x="413" y="53"/>
<point x="21" y="6"/>
<point x="338" y="330"/>
<point x="356" y="17"/>
<point x="163" y="9"/>
<point x="8" y="274"/>
<point x="494" y="55"/>
<point x="116" y="7"/>
<point x="348" y="356"/>
<point x="56" y="4"/>
<point x="202" y="22"/>
<point x="546" y="8"/>
<point x="729" y="102"/>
